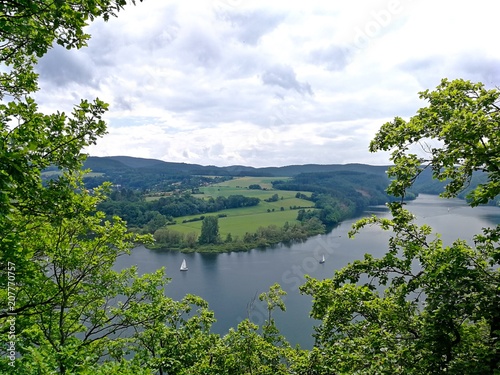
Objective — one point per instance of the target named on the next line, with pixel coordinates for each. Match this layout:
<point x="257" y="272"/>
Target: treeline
<point x="169" y="238"/>
<point x="361" y="188"/>
<point x="338" y="195"/>
<point x="151" y="180"/>
<point x="132" y="207"/>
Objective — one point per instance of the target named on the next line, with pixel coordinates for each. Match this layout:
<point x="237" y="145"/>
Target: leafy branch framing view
<point x="426" y="309"/>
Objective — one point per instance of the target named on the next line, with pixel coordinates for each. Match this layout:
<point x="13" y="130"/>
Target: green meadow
<point x="247" y="219"/>
<point x="244" y="182"/>
<point x="240" y="186"/>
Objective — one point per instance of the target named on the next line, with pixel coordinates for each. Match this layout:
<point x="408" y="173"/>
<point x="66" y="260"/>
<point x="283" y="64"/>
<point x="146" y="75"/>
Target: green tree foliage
<point x="66" y="302"/>
<point x="30" y="28"/>
<point x="70" y="308"/>
<point x="462" y="118"/>
<point x="273" y="198"/>
<point x="172" y="338"/>
<point x="29" y="140"/>
<point x="245" y="351"/>
<point x="273" y="300"/>
<point x="209" y="231"/>
<point x="423" y="308"/>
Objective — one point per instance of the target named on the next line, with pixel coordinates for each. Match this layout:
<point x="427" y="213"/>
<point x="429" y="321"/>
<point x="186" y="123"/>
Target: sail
<point x="184" y="265"/>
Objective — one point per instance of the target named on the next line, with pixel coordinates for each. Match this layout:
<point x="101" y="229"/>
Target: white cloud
<point x="268" y="83"/>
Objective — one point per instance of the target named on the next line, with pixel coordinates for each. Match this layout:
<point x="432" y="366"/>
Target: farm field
<point x="238" y="225"/>
<point x="240" y="186"/>
<point x="244" y="182"/>
<point x="247" y="219"/>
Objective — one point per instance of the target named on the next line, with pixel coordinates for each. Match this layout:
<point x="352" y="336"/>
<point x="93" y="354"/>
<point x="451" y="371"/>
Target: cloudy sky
<point x="268" y="83"/>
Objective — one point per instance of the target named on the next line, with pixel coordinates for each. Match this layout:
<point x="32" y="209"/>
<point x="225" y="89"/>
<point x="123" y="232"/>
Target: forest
<point x="66" y="310"/>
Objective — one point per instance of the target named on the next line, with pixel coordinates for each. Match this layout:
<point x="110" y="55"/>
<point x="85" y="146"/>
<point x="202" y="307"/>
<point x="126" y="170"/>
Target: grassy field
<point x="247" y="219"/>
<point x="238" y="225"/>
<point x="240" y="186"/>
<point x="244" y="182"/>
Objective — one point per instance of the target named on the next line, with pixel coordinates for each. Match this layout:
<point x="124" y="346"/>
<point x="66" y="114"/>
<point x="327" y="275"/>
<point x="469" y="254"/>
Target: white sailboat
<point x="184" y="265"/>
<point x="322" y="259"/>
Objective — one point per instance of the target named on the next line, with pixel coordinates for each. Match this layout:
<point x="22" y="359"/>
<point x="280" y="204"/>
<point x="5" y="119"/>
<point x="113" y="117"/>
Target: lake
<point x="231" y="282"/>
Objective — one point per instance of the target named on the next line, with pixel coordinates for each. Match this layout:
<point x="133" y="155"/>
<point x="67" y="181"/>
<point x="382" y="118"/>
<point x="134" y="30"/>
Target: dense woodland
<point x="339" y="195"/>
<point x="66" y="310"/>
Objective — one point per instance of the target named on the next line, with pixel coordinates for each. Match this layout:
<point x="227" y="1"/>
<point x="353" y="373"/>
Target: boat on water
<point x="322" y="259"/>
<point x="184" y="265"/>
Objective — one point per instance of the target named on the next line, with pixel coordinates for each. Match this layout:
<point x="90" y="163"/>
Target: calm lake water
<point x="231" y="282"/>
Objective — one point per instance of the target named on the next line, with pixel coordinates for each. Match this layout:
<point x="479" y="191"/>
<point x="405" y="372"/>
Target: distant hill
<point x="293" y="170"/>
<point x="132" y="162"/>
<point x="425" y="184"/>
<point x="141" y="173"/>
<point x="111" y="164"/>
